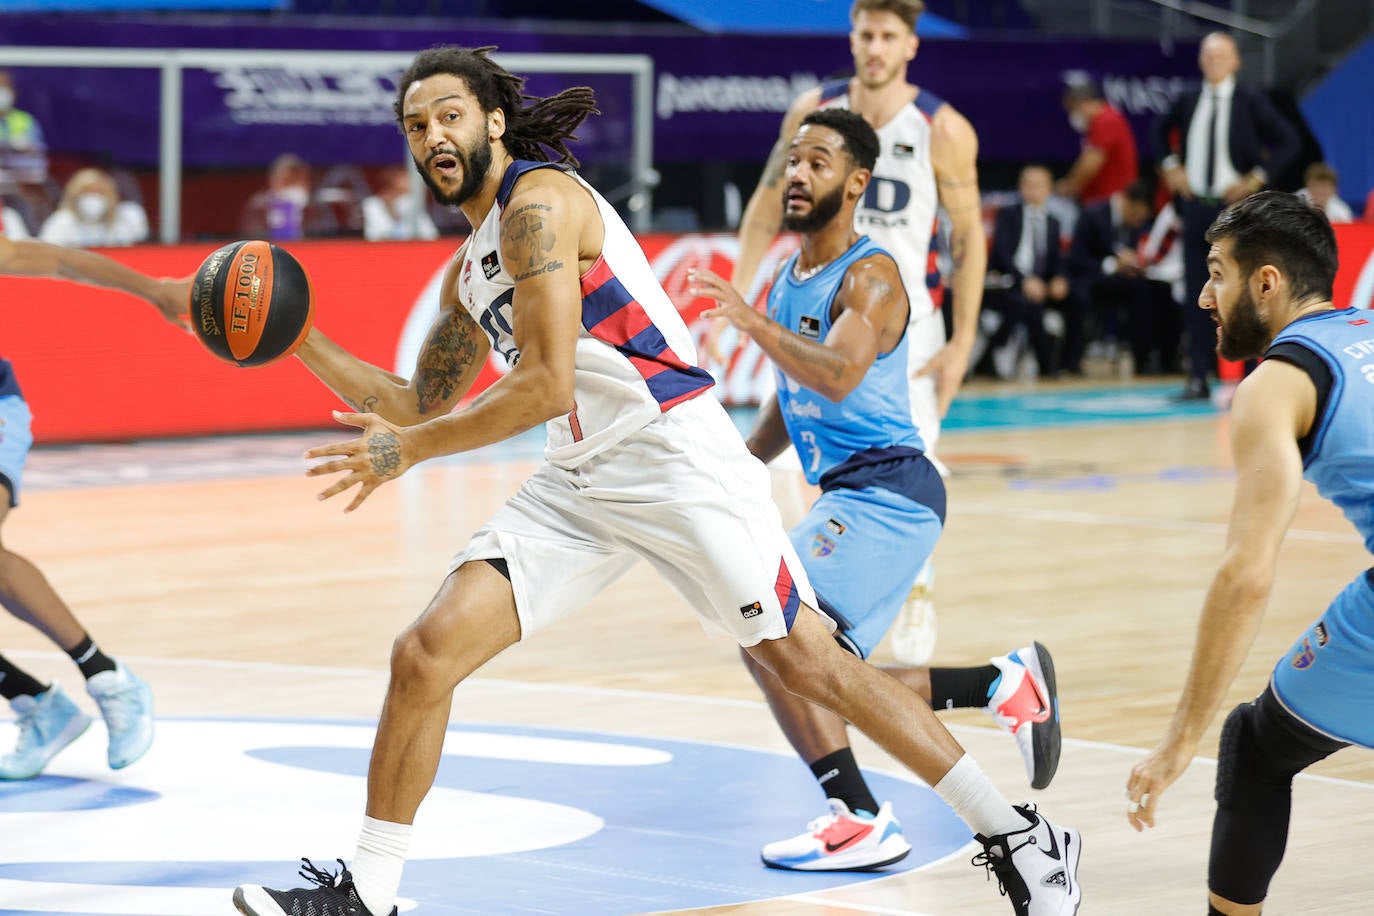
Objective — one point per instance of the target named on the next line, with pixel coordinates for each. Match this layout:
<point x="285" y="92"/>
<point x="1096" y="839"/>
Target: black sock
<point x="840" y="778"/>
<point x="962" y="688"/>
<point x="16" y="682"/>
<point x="90" y="659"/>
<point x="1213" y="911"/>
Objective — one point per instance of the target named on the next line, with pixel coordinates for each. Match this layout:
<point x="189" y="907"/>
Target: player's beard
<point x="822" y="212"/>
<point x="475" y="162"/>
<point x="1244" y="335"/>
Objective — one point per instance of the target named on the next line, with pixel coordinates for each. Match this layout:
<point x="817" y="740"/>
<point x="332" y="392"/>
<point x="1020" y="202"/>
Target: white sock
<point x="376" y="866"/>
<point x="967" y="789"/>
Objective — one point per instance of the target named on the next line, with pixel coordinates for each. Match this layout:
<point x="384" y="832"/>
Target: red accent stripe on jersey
<point x="612" y="315"/>
<point x="786" y="590"/>
<point x="575" y="424"/>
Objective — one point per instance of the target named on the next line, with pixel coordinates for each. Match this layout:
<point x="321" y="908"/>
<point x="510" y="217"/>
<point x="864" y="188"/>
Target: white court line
<point x="1133" y="521"/>
<point x="499" y="683"/>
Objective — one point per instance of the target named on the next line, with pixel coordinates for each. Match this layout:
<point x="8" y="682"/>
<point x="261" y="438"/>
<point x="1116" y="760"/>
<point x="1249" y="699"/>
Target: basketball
<point x="251" y="303"/>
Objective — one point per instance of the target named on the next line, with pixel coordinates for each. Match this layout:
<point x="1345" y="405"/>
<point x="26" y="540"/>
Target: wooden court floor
<point x="247" y="597"/>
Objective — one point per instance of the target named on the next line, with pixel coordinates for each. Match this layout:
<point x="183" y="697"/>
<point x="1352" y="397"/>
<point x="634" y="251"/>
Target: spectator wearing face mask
<point x="286" y="209"/>
<point x="394" y="211"/>
<point x="91" y="215"/>
<point x="1108" y="162"/>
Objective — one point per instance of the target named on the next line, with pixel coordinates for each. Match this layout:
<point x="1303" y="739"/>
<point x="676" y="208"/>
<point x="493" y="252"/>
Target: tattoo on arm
<point x="385" y="449"/>
<point x="814" y="353"/>
<point x="772" y="169"/>
<point x="366" y="405"/>
<point x="445" y="359"/>
<point x="526" y="240"/>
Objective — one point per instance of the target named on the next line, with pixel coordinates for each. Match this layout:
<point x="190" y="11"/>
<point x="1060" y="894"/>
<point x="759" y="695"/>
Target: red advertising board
<point x="99" y="365"/>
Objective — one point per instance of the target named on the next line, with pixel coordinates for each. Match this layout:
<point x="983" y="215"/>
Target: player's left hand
<point x="949" y="366"/>
<point x="730" y="305"/>
<point x="1150" y="777"/>
<point x="378" y="455"/>
<point x="173" y="300"/>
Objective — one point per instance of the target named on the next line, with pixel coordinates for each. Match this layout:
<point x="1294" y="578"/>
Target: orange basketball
<point x="251" y="303"/>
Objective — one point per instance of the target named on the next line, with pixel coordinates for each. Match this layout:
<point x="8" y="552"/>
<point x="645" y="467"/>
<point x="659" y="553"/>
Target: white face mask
<point x="6" y="98"/>
<point x="1078" y="122"/>
<point x="295" y="194"/>
<point x="91" y="206"/>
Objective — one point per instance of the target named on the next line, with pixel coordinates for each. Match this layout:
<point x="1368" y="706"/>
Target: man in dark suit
<point x="1026" y="263"/>
<point x="1220" y="144"/>
<point x="1107" y="276"/>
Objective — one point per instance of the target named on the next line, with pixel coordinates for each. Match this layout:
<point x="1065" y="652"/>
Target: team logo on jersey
<point x="809" y="326"/>
<point x="1357" y="322"/>
<point x="822" y="546"/>
<point x="835" y="526"/>
<point x="1320" y="631"/>
<point x="751" y="610"/>
<point x="490" y="266"/>
<point x="903" y="151"/>
<point x="1305" y="656"/>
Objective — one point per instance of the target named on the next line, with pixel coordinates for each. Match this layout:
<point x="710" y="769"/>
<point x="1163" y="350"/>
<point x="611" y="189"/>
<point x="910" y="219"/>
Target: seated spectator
<point x="1027" y="273"/>
<point x="12" y="225"/>
<point x="395" y="211"/>
<point x="91" y="215"/>
<point x="1319" y="189"/>
<point x="23" y="154"/>
<point x="284" y="210"/>
<point x="1111" y="282"/>
<point x="1108" y="161"/>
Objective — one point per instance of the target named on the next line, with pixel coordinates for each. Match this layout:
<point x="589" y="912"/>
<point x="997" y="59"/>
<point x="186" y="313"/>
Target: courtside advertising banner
<point x="98" y="365"/>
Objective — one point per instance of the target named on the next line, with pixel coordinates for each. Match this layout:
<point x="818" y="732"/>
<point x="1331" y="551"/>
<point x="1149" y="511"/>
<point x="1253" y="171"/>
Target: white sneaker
<point x="842" y="841"/>
<point x="913" y="633"/>
<point x="1036" y="867"/>
<point x="1026" y="703"/>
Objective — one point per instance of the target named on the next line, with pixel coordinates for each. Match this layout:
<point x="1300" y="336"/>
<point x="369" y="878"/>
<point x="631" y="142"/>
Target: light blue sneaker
<point x="126" y="702"/>
<point x="47" y="723"/>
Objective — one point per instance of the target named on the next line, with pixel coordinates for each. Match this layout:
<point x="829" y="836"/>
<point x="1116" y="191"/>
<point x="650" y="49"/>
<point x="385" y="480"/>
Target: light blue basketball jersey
<point x="1327" y="677"/>
<point x="1338" y="454"/>
<point x="876" y="414"/>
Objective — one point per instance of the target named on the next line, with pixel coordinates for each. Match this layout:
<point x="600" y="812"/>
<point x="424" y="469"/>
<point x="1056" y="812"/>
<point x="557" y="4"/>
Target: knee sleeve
<point x="1262" y="747"/>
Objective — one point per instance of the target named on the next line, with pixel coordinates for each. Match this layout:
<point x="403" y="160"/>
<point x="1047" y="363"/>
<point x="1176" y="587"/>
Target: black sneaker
<point x="1036" y="867"/>
<point x="332" y="895"/>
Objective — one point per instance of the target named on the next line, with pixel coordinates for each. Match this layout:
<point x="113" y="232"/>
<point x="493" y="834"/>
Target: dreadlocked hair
<point x="534" y="125"/>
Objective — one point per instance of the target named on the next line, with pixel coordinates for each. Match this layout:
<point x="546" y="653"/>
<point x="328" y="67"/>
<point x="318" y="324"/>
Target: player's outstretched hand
<point x="730" y="305"/>
<point x="378" y="455"/>
<point x="173" y="300"/>
<point x="1150" y="777"/>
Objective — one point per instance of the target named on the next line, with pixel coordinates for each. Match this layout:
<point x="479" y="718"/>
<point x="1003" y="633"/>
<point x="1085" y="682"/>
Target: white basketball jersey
<point x="635" y="358"/>
<point x="899" y="207"/>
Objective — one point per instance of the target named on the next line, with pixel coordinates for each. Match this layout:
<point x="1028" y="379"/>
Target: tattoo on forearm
<point x="526" y="240"/>
<point x="813" y="353"/>
<point x="385" y="449"/>
<point x="366" y="405"/>
<point x="444" y="360"/>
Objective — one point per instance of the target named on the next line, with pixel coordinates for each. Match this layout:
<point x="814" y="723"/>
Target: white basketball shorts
<point x="682" y="493"/>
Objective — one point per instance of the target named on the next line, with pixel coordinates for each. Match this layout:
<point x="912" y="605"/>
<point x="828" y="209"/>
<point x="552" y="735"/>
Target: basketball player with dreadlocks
<point x="637" y="465"/>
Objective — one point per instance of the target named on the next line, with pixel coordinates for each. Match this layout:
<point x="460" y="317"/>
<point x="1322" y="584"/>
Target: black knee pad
<point x="1262" y="747"/>
<point x="1228" y="754"/>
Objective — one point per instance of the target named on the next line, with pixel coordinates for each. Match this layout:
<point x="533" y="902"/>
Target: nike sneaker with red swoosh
<point x="842" y="840"/>
<point x="1025" y="702"/>
<point x="1037" y="867"/>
